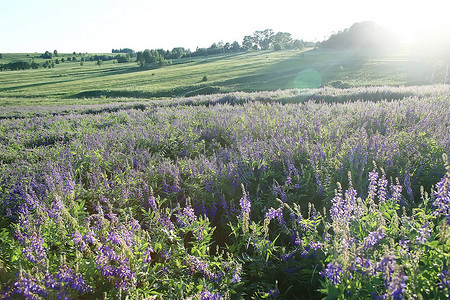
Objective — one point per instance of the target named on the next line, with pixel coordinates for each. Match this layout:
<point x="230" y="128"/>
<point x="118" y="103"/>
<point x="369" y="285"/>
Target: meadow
<point x="70" y="83"/>
<point x="118" y="182"/>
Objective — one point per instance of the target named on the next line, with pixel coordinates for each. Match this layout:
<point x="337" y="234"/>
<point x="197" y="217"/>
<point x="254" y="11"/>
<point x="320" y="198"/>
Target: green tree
<point x="148" y="57"/>
<point x="99" y="62"/>
<point x="47" y="55"/>
<point x="264" y="38"/>
<point x="235" y="47"/>
<point x="247" y="42"/>
<point x="55" y="53"/>
<point x="284" y="39"/>
<point x="1" y="56"/>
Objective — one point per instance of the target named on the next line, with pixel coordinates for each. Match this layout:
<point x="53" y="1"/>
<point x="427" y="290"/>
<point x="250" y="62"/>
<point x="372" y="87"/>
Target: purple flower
<point x="397" y="286"/>
<point x="207" y="295"/>
<point x="382" y="185"/>
<point x="275" y="213"/>
<point x="245" y="204"/>
<point x="407" y="184"/>
<point x="274" y="292"/>
<point x="187" y="216"/>
<point x="373" y="178"/>
<point x="441" y="196"/>
<point x="90" y="237"/>
<point x="444" y="283"/>
<point x="372" y="239"/>
<point x="333" y="273"/>
<point x="152" y="203"/>
<point x="28" y="287"/>
<point x="77" y="239"/>
<point x="396" y="192"/>
<point x="423" y="234"/>
<point x="196" y="264"/>
<point x="148" y="255"/>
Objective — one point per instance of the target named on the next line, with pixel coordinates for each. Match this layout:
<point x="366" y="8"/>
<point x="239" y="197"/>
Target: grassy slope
<point x="251" y="71"/>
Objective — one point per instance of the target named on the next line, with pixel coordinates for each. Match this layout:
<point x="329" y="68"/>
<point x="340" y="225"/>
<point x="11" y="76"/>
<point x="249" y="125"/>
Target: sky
<point x="97" y="26"/>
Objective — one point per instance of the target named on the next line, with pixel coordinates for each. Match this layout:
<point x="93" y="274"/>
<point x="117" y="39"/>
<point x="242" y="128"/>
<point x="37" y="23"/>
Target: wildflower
<point x="372" y="239"/>
<point x="274" y="292"/>
<point x="407" y="184"/>
<point x="237" y="274"/>
<point x="444" y="283"/>
<point x="148" y="255"/>
<point x="245" y="209"/>
<point x="207" y="295"/>
<point x="245" y="204"/>
<point x="396" y="192"/>
<point x="423" y="234"/>
<point x="187" y="216"/>
<point x="441" y="196"/>
<point x="373" y="178"/>
<point x="275" y="213"/>
<point x="90" y="237"/>
<point x="382" y="185"/>
<point x="77" y="239"/>
<point x="28" y="287"/>
<point x="151" y="202"/>
<point x="397" y="286"/>
<point x="74" y="281"/>
<point x="333" y="272"/>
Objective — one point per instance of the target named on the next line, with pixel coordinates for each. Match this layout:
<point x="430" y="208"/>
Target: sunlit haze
<point x="99" y="26"/>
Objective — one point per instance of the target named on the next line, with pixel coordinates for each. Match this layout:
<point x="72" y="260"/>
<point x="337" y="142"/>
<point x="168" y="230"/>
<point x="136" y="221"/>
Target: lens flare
<point x="308" y="78"/>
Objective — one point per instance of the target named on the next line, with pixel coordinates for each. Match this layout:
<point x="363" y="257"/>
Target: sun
<point x="417" y="23"/>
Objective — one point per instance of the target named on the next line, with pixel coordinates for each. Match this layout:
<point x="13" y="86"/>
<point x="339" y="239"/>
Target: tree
<point x="123" y="58"/>
<point x="247" y="42"/>
<point x="148" y="58"/>
<point x="177" y="53"/>
<point x="1" y="56"/>
<point x="264" y="38"/>
<point x="55" y="53"/>
<point x="235" y="47"/>
<point x="360" y="35"/>
<point x="284" y="39"/>
<point x="99" y="62"/>
<point x="47" y="55"/>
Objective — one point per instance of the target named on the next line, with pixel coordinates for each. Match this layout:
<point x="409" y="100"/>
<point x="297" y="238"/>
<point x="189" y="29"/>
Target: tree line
<point x="360" y="35"/>
<point x="25" y="65"/>
<point x="259" y="40"/>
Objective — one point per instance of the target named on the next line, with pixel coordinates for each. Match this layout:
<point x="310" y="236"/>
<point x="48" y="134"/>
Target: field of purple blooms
<point x="337" y="194"/>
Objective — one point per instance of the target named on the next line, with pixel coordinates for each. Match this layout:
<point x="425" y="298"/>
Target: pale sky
<point x="100" y="25"/>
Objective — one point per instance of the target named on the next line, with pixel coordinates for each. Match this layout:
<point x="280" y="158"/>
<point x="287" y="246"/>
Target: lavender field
<point x="295" y="194"/>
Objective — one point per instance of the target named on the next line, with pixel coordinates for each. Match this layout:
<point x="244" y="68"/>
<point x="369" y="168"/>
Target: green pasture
<point x="72" y="83"/>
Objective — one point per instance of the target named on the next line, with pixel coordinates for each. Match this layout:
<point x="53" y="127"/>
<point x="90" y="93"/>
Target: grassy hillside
<point x="69" y="82"/>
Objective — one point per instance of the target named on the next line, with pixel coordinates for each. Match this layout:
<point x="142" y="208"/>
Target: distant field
<point x="69" y="82"/>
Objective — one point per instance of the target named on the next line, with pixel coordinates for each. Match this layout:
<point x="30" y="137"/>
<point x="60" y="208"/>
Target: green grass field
<point x="71" y="83"/>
